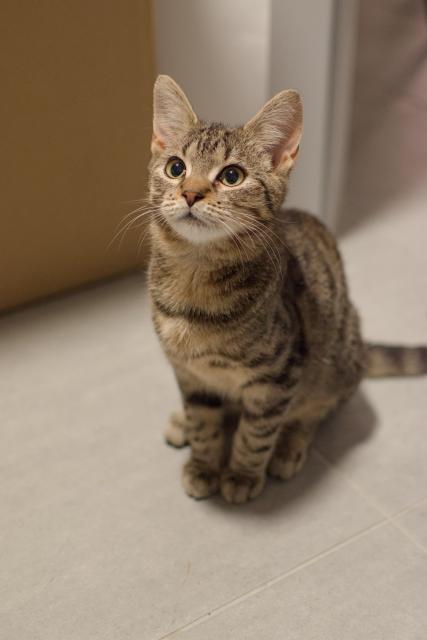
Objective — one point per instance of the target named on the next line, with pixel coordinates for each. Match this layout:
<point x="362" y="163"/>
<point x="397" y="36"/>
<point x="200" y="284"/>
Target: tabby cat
<point x="250" y="302"/>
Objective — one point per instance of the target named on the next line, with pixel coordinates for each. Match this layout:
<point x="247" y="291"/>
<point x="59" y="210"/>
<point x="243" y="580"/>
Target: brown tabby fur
<point x="256" y="314"/>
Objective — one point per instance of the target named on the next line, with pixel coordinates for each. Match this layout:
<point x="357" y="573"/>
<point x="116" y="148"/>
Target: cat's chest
<point x="223" y="375"/>
<point x="200" y="352"/>
<point x="183" y="340"/>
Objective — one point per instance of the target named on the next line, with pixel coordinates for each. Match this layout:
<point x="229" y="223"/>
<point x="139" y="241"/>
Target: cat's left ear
<point x="278" y="128"/>
<point x="172" y="113"/>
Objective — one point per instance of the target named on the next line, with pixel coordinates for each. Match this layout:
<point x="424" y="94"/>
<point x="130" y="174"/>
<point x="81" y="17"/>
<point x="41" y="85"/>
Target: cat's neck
<point x="212" y="278"/>
<point x="243" y="249"/>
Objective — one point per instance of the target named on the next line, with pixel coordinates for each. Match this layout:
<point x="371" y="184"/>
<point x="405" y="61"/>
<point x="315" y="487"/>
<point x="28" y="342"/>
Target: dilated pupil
<point x="177" y="168"/>
<point x="231" y="176"/>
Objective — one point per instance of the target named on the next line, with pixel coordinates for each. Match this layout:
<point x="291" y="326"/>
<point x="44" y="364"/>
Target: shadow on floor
<point x="350" y="426"/>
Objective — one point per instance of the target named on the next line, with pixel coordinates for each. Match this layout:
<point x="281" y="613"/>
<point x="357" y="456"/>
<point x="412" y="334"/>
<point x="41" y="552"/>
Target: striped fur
<point x="250" y="302"/>
<point x="392" y="360"/>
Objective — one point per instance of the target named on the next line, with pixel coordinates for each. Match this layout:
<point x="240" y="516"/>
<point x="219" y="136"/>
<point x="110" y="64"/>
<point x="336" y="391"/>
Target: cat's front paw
<point x="199" y="481"/>
<point x="238" y="488"/>
<point x="175" y="434"/>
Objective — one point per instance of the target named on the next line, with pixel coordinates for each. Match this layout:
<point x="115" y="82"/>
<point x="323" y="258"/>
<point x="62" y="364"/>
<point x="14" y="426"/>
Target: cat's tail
<point x="386" y="360"/>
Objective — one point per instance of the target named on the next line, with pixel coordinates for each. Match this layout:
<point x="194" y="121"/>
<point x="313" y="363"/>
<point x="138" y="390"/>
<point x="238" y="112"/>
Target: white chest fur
<point x="187" y="345"/>
<point x="226" y="379"/>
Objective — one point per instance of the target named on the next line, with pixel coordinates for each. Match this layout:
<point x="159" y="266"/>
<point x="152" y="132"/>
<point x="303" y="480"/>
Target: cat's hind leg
<point x="292" y="448"/>
<point x="293" y="445"/>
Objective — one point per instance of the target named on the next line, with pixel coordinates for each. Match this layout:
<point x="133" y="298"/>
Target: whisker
<point x="262" y="233"/>
<point x="125" y="226"/>
<point x="156" y="215"/>
<point x="134" y="201"/>
<point x="268" y="245"/>
<point x="261" y="227"/>
<point x="234" y="239"/>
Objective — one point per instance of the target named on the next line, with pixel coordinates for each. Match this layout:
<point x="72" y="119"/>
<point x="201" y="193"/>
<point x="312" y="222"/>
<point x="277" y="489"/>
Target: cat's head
<point x="209" y="181"/>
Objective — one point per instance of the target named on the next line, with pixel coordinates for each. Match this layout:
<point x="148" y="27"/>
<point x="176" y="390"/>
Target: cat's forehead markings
<point x="208" y="148"/>
<point x="207" y="140"/>
<point x="186" y="146"/>
<point x="227" y="152"/>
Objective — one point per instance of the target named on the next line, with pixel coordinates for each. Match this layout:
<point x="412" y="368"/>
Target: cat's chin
<point x="197" y="232"/>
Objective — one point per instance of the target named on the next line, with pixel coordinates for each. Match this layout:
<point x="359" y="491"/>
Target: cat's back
<point x="304" y="233"/>
<point x="315" y="262"/>
<point x="316" y="281"/>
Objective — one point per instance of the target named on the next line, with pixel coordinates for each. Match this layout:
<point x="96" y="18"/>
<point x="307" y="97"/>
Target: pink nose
<point x="192" y="197"/>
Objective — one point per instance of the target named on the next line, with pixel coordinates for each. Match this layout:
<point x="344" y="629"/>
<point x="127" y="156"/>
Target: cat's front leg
<point x="203" y="426"/>
<point x="262" y="419"/>
<point x="204" y="430"/>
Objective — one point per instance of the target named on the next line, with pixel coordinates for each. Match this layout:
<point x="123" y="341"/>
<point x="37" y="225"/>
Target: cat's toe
<point x="175" y="434"/>
<point x="199" y="481"/>
<point x="287" y="467"/>
<point x="238" y="488"/>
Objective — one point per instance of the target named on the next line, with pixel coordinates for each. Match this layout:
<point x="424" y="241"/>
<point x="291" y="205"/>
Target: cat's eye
<point x="175" y="167"/>
<point x="231" y="176"/>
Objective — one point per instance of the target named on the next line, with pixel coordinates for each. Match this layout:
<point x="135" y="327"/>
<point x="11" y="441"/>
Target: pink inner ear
<point x="287" y="148"/>
<point x="295" y="153"/>
<point x="157" y="141"/>
<point x="159" y="135"/>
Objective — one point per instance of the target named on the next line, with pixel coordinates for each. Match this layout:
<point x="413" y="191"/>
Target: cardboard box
<point x="75" y="120"/>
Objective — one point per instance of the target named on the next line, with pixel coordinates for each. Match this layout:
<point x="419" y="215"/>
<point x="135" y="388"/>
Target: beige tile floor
<point x="97" y="539"/>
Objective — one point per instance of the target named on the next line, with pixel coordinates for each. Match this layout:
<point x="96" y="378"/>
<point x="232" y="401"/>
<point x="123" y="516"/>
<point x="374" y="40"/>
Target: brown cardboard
<point x="75" y="118"/>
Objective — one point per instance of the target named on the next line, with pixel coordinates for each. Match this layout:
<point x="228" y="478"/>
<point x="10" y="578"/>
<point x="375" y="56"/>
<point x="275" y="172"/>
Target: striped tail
<point x="386" y="360"/>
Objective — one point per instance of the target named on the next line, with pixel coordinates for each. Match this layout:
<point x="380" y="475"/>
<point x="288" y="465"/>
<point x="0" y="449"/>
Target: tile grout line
<point x="408" y="535"/>
<point x="390" y="518"/>
<point x="386" y="519"/>
<point x="410" y="507"/>
<point x="355" y="487"/>
<point x="295" y="569"/>
<point x="272" y="581"/>
<point x="402" y="528"/>
<point x="359" y="490"/>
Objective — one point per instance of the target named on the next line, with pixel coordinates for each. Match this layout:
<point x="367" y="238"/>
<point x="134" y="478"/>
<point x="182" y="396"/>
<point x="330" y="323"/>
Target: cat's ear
<point x="172" y="113"/>
<point x="278" y="128"/>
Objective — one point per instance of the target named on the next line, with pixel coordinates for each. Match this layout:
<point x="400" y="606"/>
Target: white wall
<point x="301" y="56"/>
<point x="218" y="51"/>
<point x="231" y="56"/>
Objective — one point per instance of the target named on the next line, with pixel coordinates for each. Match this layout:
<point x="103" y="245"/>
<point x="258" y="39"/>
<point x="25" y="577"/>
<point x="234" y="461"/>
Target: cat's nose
<point x="192" y="196"/>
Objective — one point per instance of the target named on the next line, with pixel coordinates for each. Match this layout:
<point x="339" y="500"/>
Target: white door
<point x="230" y="57"/>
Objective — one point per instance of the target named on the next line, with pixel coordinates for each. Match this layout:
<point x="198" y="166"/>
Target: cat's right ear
<point x="277" y="128"/>
<point x="172" y="113"/>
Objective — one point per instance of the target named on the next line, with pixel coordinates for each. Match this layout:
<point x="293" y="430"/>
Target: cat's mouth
<point x="196" y="226"/>
<point x="192" y="218"/>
